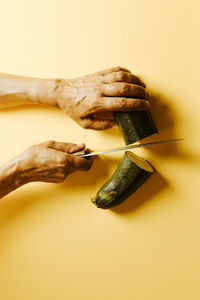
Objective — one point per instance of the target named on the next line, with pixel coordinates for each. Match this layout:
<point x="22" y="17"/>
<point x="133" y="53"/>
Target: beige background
<point x="54" y="243"/>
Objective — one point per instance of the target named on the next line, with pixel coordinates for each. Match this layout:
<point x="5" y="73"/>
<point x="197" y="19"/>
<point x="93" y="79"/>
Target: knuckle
<point x="118" y="68"/>
<point x="62" y="161"/>
<point x="96" y="102"/>
<point x="85" y="125"/>
<point x="141" y="92"/>
<point x="121" y="103"/>
<point x="121" y="76"/>
<point x="93" y="105"/>
<point x="63" y="158"/>
<point x="124" y="88"/>
<point x="50" y="142"/>
<point x="80" y="122"/>
<point x="137" y="103"/>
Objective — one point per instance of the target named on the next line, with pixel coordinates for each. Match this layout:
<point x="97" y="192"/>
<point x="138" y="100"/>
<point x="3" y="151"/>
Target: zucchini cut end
<point x="140" y="162"/>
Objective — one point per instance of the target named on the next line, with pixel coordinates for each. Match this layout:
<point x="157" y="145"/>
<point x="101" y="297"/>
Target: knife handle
<point x="79" y="153"/>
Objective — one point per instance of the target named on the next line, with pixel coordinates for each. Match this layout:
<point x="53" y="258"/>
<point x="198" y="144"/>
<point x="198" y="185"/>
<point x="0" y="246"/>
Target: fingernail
<point x="81" y="145"/>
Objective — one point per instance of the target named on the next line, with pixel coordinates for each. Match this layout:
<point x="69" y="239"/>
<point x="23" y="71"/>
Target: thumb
<point x="97" y="124"/>
<point x="64" y="147"/>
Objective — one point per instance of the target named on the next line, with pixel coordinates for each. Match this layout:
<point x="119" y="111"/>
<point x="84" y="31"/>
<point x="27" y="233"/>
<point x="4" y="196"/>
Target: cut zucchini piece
<point x="130" y="174"/>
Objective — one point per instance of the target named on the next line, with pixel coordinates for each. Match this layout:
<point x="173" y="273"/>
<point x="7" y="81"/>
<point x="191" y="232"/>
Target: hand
<point x="51" y="162"/>
<point x="90" y="99"/>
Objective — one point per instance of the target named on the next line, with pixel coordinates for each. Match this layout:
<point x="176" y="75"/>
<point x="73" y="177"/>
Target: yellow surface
<point x="54" y="243"/>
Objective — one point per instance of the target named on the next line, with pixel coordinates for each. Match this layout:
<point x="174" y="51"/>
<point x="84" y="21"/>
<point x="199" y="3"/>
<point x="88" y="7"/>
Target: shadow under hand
<point x="21" y="203"/>
<point x="14" y="207"/>
<point x="22" y="107"/>
<point x="98" y="171"/>
<point x="113" y="132"/>
<point x="166" y="119"/>
<point x="148" y="190"/>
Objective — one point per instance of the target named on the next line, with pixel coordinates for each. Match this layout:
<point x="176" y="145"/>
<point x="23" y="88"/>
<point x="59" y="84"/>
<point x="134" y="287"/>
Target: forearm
<point x="10" y="177"/>
<point x="15" y="90"/>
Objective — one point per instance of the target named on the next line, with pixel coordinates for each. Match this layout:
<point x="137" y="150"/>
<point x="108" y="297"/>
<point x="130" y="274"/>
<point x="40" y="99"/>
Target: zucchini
<point x="133" y="170"/>
<point x="135" y="125"/>
<point x="130" y="174"/>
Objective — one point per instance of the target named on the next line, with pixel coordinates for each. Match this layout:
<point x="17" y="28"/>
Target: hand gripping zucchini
<point x="130" y="174"/>
<point x="133" y="170"/>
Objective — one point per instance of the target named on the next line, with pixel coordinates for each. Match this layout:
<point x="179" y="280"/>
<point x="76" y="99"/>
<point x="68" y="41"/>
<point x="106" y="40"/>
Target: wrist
<point x="45" y="91"/>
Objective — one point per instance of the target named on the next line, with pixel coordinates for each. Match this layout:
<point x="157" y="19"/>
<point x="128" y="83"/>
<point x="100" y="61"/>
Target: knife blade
<point x="128" y="147"/>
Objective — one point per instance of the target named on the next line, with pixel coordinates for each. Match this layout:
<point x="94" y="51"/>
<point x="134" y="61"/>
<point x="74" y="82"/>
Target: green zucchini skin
<point x="127" y="178"/>
<point x="135" y="125"/>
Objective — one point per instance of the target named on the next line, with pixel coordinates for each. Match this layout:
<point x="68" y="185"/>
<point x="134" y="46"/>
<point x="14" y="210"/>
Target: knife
<point x="84" y="153"/>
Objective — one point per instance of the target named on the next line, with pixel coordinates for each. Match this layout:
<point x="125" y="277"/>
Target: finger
<point x="123" y="104"/>
<point x="97" y="124"/>
<point x="106" y="115"/>
<point x="77" y="163"/>
<point x="123" y="77"/>
<point x="113" y="69"/>
<point x="126" y="90"/>
<point x="68" y="147"/>
<point x="64" y="147"/>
